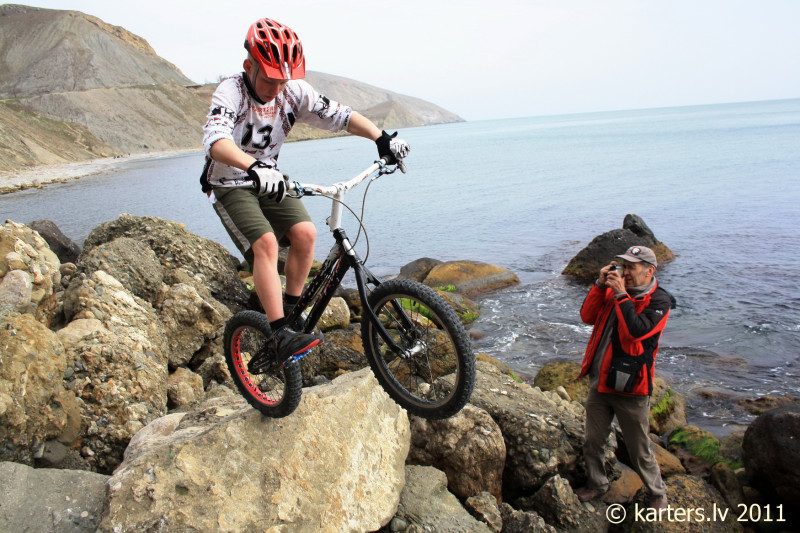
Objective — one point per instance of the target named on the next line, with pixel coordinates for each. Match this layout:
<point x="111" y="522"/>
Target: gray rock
<point x="426" y="505"/>
<point x="771" y="449"/>
<point x="543" y="432"/>
<point x="44" y="499"/>
<point x="177" y="248"/>
<point x="516" y="521"/>
<point x="485" y="508"/>
<point x="15" y="293"/>
<point x="131" y="262"/>
<point x="65" y="248"/>
<point x="468" y="447"/>
<point x="560" y="507"/>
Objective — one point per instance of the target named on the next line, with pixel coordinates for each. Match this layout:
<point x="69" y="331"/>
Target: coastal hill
<point x="73" y="88"/>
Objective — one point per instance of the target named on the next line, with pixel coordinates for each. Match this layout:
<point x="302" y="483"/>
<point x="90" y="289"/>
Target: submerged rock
<point x="603" y="248"/>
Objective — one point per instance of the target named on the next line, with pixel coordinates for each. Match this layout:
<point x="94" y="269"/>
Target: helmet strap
<point x="250" y="84"/>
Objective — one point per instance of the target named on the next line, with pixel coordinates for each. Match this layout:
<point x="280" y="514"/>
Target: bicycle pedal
<point x="296" y="357"/>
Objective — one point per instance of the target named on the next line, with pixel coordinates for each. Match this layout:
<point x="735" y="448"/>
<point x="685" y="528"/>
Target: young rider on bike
<point x="250" y="117"/>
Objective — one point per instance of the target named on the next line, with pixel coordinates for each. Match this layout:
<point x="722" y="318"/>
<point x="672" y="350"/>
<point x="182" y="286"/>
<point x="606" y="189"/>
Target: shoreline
<point x="12" y="181"/>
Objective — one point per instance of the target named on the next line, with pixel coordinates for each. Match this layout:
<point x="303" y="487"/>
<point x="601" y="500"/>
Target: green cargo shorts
<point x="247" y="217"/>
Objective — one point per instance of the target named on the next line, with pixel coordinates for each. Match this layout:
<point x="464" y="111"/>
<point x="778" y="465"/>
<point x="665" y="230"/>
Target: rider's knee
<point x="303" y="235"/>
<point x="265" y="247"/>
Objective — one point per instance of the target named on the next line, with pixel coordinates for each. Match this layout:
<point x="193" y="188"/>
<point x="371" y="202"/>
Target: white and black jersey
<point x="260" y="129"/>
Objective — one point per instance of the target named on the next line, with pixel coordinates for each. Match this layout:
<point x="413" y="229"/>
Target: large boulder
<point x="34" y="405"/>
<point x="46" y="499"/>
<point x="131" y="262"/>
<point x="542" y="431"/>
<point x="603" y="248"/>
<point x="29" y="272"/>
<point x="178" y="248"/>
<point x="468" y="447"/>
<point x="771" y="450"/>
<point x="336" y="464"/>
<point x="470" y="277"/>
<point x="117" y="353"/>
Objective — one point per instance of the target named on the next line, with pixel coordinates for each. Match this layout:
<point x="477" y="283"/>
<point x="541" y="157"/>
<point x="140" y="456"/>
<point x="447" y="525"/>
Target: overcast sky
<point x="498" y="58"/>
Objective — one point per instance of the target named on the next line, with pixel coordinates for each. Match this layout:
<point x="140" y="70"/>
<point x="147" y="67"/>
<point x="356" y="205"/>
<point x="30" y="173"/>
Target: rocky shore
<point x="117" y="414"/>
<point x="40" y="175"/>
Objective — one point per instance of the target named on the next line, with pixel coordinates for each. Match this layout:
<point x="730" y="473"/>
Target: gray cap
<point x="634" y="254"/>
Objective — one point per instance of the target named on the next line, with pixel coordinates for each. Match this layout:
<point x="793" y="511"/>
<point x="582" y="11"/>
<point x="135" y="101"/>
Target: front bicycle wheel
<point x="270" y="387"/>
<point x="430" y="370"/>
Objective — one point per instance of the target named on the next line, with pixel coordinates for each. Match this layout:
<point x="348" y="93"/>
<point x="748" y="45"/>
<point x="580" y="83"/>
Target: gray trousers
<point x="632" y="413"/>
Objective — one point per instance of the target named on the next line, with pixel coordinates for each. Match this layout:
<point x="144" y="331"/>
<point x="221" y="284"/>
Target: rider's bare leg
<point x="266" y="277"/>
<point x="301" y="256"/>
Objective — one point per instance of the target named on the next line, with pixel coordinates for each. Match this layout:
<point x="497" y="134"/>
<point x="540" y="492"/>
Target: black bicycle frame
<point x="341" y="258"/>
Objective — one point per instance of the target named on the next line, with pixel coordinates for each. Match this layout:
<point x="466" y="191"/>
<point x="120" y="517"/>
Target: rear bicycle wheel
<point x="273" y="389"/>
<point x="431" y="373"/>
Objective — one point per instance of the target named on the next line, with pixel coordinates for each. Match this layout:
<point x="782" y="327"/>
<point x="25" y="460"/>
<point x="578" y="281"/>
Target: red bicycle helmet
<point x="277" y="50"/>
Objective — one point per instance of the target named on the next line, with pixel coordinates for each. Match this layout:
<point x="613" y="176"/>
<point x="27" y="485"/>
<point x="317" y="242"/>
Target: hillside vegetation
<point x="73" y="87"/>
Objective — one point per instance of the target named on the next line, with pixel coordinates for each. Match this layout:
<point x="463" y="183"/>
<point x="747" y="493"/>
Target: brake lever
<point x="298" y="191"/>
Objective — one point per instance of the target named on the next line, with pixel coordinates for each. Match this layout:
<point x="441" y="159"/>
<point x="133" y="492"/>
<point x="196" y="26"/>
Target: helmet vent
<point x="276" y="54"/>
<point x="262" y="49"/>
<point x="276" y="33"/>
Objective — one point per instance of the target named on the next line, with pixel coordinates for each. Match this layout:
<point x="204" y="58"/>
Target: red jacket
<point x="634" y="343"/>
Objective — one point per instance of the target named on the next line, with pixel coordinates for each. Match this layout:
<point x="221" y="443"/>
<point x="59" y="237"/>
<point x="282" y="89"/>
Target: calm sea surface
<point x="720" y="185"/>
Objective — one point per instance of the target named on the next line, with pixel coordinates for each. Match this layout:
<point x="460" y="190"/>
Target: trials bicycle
<point x="414" y="342"/>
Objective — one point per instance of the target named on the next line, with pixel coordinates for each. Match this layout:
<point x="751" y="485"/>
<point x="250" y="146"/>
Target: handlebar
<point x="297" y="189"/>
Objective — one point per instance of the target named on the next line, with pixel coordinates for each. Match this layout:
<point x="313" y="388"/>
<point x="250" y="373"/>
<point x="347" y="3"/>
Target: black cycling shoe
<point x="288" y="343"/>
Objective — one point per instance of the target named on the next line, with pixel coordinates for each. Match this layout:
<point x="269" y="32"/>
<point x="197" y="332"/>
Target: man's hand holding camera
<point x="612" y="276"/>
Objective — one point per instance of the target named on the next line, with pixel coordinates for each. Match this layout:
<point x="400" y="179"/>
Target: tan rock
<point x="470" y="276"/>
<point x="336" y="464"/>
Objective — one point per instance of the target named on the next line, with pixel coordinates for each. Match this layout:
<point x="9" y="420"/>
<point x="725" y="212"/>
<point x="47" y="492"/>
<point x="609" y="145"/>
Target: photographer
<point x="628" y="310"/>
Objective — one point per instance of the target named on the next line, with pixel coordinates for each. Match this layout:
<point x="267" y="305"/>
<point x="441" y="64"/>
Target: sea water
<point x="718" y="184"/>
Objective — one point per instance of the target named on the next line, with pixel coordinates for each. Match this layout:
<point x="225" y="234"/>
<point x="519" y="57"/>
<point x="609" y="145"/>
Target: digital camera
<point x="617" y="268"/>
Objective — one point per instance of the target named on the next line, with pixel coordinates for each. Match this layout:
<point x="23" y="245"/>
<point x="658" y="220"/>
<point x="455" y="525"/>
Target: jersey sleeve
<point x="318" y="110"/>
<point x="221" y="117"/>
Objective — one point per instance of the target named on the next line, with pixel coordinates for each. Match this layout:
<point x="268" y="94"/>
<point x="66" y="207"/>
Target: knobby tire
<point x="434" y="374"/>
<point x="277" y="391"/>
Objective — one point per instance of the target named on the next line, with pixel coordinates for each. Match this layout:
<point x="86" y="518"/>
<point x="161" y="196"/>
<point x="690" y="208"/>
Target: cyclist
<point x="250" y="117"/>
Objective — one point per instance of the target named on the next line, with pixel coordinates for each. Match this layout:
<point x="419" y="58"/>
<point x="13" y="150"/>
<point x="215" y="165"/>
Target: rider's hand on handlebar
<point x="267" y="181"/>
<point x="393" y="149"/>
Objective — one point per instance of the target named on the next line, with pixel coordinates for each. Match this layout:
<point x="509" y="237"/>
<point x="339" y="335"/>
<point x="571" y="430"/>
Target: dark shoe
<point x="658" y="502"/>
<point x="289" y="343"/>
<point x="588" y="493"/>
